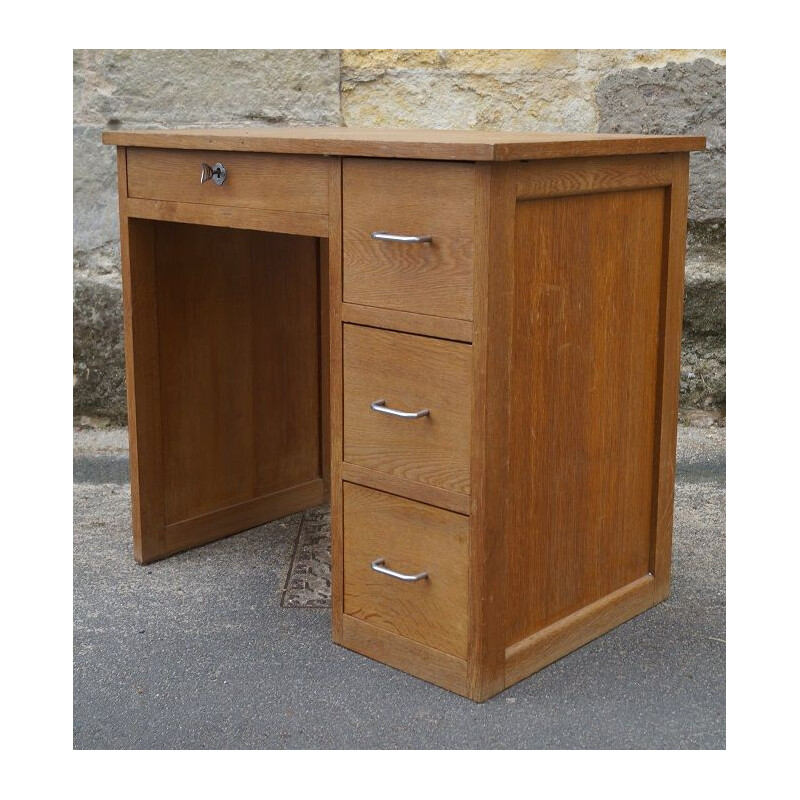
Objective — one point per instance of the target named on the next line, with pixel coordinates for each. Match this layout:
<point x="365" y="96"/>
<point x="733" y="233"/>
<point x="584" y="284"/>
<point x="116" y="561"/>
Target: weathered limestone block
<point x="522" y="90"/>
<point x="703" y="346"/>
<point x="206" y="87"/>
<point x="687" y="98"/>
<point x="681" y="99"/>
<point x="98" y="352"/>
<point x="94" y="190"/>
<point x="536" y="90"/>
<point x="161" y="88"/>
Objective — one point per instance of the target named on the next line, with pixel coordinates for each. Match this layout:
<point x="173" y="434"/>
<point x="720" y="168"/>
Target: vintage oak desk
<point x="469" y="341"/>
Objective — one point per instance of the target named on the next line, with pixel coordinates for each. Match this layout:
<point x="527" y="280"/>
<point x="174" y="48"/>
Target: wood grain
<point x="254" y="219"/>
<point x="221" y="522"/>
<point x="224" y="380"/>
<point x="405" y="654"/>
<point x="336" y="394"/>
<point x="548" y="645"/>
<point x="424" y="493"/>
<point x="491" y="488"/>
<point x="254" y="180"/>
<point x="411" y="198"/>
<point x="410" y="373"/>
<point x="584" y="372"/>
<point x="323" y="257"/>
<point x="569" y="176"/>
<point x="458" y="330"/>
<point x="407" y="143"/>
<point x="412" y="538"/>
<point x="542" y="329"/>
<point x="239" y="365"/>
<point x="669" y="371"/>
<point x="137" y="246"/>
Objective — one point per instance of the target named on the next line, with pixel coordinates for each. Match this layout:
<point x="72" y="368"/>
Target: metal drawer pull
<point x="383" y="236"/>
<point x="217" y="173"/>
<point x="381" y="407"/>
<point x="378" y="563"/>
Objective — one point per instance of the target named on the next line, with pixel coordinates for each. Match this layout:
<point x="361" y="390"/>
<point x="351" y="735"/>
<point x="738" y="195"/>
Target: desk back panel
<point x="238" y="387"/>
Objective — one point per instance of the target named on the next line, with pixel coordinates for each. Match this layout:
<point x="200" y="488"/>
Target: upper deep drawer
<point x="409" y="198"/>
<point x="253" y="180"/>
<point x="390" y="377"/>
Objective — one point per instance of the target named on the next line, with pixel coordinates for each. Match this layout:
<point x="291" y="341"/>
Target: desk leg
<point x="335" y="393"/>
<point x="325" y="364"/>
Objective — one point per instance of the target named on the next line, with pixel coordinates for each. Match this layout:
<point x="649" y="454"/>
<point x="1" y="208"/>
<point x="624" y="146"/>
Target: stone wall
<point x="162" y="88"/>
<point x="632" y="91"/>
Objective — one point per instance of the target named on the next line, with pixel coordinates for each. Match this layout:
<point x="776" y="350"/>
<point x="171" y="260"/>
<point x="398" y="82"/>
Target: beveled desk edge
<point x="445" y="145"/>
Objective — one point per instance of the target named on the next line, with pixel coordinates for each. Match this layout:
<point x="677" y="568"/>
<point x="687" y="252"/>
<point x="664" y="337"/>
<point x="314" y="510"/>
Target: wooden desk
<point x="468" y="341"/>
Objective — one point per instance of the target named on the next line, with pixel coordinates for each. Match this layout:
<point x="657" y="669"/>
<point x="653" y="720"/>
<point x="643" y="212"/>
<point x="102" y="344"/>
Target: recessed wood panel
<point x="409" y="373"/>
<point x="412" y="538"/>
<point x="239" y="365"/>
<point x="588" y="274"/>
<point x="409" y="198"/>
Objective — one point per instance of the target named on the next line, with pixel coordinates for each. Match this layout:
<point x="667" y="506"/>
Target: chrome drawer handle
<point x="217" y="173"/>
<point x="378" y="563"/>
<point x="383" y="236"/>
<point x="381" y="407"/>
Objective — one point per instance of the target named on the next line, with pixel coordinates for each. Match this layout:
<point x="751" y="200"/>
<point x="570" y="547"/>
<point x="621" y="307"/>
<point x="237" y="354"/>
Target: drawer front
<point x="411" y="198"/>
<point x="409" y="374"/>
<point x="253" y="180"/>
<point x="408" y="538"/>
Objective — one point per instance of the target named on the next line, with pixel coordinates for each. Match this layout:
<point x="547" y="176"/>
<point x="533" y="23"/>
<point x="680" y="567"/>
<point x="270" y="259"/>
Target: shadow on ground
<point x="197" y="652"/>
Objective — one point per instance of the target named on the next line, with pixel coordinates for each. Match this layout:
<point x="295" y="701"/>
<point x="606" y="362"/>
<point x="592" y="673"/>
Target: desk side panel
<point x="593" y="374"/>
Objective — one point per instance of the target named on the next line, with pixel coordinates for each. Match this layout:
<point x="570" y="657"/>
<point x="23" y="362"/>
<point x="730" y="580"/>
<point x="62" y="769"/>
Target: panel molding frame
<point x="564" y="178"/>
<point x="542" y="648"/>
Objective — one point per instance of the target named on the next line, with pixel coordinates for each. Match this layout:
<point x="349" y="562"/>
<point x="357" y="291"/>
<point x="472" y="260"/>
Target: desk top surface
<point x="407" y="143"/>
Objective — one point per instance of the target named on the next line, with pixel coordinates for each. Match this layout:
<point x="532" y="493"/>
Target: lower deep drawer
<point x="409" y="538"/>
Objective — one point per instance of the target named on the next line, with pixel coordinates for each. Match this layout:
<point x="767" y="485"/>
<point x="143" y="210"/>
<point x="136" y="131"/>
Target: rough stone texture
<point x="667" y="91"/>
<point x="484" y="89"/>
<point x="678" y="98"/>
<point x="98" y="353"/>
<point x="162" y="88"/>
<point x="703" y="346"/>
<point x="94" y="189"/>
<point x="207" y="87"/>
<point x="520" y="90"/>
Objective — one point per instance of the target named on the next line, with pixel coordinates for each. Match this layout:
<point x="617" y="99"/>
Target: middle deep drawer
<point x="386" y="372"/>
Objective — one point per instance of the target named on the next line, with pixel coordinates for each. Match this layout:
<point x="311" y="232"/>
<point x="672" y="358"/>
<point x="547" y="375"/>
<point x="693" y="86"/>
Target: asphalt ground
<point x="196" y="652"/>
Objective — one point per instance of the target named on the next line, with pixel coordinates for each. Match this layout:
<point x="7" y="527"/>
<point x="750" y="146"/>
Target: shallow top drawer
<point x="252" y="180"/>
<point x="430" y="200"/>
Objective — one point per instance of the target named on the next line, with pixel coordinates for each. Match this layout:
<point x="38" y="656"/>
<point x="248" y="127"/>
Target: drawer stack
<point x="403" y="504"/>
<point x="504" y="362"/>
